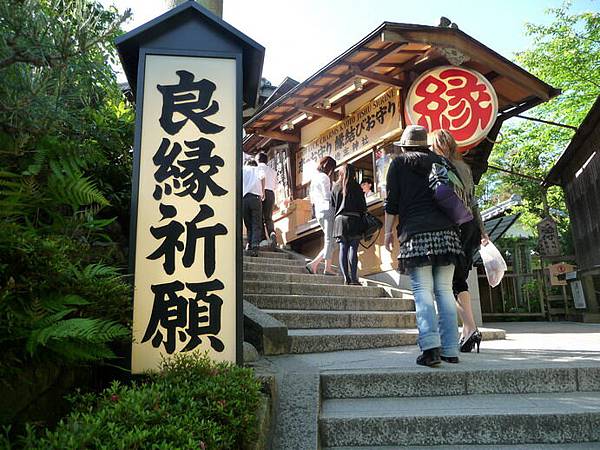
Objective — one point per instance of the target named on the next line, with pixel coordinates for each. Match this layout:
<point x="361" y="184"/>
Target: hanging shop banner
<point x="185" y="253"/>
<point x="457" y="99"/>
<point x="365" y="127"/>
<point x="279" y="162"/>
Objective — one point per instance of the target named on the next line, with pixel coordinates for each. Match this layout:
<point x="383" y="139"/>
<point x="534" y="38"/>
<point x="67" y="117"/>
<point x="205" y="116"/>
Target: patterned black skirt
<point x="431" y="248"/>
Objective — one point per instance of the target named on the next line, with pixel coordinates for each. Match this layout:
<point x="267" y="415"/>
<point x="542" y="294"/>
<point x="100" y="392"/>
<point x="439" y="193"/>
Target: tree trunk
<point x="214" y="6"/>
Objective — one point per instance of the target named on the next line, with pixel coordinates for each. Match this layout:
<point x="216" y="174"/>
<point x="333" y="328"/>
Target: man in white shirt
<point x="270" y="177"/>
<point x="253" y="193"/>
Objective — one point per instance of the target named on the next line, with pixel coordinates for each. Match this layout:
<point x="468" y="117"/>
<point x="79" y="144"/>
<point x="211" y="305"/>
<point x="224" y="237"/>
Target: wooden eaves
<point x="559" y="175"/>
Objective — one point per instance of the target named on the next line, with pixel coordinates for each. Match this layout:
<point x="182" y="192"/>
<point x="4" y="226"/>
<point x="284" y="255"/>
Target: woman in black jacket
<point x="348" y="202"/>
<point x="430" y="246"/>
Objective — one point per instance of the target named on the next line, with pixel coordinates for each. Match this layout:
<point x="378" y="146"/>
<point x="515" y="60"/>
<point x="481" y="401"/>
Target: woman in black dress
<point x="348" y="202"/>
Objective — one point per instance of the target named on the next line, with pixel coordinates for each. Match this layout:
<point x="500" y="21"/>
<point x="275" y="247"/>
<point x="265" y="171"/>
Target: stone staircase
<point x="499" y="402"/>
<point x="387" y="409"/>
<point x="321" y="313"/>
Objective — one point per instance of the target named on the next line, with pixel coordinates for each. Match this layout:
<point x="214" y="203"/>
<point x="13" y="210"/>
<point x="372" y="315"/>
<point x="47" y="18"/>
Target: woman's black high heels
<point x="467" y="345"/>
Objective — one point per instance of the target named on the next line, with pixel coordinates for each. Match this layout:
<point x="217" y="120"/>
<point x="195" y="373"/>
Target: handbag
<point x="449" y="192"/>
<point x="369" y="225"/>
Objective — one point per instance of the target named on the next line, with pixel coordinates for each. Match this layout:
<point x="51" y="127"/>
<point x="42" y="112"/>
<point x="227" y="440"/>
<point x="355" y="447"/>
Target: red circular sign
<point x="459" y="100"/>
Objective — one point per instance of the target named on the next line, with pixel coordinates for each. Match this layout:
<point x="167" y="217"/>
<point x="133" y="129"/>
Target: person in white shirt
<point x="267" y="205"/>
<point x="320" y="196"/>
<point x="253" y="193"/>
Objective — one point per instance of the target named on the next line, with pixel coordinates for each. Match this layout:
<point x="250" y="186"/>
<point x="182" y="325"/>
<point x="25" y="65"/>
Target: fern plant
<point x="73" y="339"/>
<point x="54" y="308"/>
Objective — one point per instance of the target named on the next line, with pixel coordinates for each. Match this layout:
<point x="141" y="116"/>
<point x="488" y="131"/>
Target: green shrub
<point x="193" y="404"/>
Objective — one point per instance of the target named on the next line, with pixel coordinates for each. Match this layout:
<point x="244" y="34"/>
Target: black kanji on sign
<point x="171" y="232"/>
<point x="190" y="176"/>
<point x="204" y="320"/>
<point x="169" y="312"/>
<point x="164" y="160"/>
<point x="209" y="235"/>
<point x="185" y="319"/>
<point x="191" y="99"/>
<point x="198" y="170"/>
<point x="339" y="141"/>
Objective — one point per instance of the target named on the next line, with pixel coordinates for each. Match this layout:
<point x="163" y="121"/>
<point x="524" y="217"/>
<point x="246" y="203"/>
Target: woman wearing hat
<point x="430" y="246"/>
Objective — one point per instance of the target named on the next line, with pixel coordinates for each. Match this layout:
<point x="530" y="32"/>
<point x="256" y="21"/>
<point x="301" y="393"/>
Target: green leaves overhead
<point x="566" y="55"/>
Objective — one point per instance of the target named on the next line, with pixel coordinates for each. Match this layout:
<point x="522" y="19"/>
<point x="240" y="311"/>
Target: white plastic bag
<point x="494" y="263"/>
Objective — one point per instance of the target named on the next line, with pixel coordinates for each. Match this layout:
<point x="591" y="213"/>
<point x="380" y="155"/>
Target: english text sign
<point x="364" y="128"/>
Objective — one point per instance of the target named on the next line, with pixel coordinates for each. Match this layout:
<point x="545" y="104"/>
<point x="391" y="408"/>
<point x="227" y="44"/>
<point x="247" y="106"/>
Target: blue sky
<point x="300" y="37"/>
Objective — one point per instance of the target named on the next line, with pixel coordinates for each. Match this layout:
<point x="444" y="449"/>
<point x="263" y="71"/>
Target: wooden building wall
<point x="583" y="200"/>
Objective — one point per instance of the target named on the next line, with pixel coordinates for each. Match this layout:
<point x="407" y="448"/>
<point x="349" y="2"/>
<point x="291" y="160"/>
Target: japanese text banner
<point x="364" y="128"/>
<point x="185" y="267"/>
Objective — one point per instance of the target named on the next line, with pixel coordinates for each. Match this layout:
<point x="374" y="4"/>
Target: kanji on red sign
<point x="454" y="99"/>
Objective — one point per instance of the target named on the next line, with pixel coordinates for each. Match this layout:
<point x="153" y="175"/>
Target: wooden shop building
<point x="355" y="107"/>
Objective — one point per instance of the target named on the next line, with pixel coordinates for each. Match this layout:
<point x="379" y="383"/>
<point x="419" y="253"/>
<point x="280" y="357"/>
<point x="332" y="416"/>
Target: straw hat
<point x="413" y="136"/>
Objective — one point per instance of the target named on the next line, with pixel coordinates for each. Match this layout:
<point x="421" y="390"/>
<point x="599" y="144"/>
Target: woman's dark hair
<point x="327" y="165"/>
<point x="347" y="174"/>
<point x="262" y="157"/>
<point x="251" y="162"/>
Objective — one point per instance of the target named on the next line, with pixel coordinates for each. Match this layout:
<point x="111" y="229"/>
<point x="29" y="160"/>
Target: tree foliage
<point x="565" y="54"/>
<point x="65" y="161"/>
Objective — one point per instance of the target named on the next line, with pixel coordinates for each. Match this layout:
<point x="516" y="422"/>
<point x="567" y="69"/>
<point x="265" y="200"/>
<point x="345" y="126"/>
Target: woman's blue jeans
<point x="441" y="329"/>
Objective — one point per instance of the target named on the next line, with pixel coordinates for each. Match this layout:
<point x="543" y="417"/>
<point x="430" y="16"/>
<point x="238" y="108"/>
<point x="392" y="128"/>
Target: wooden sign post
<point x="190" y="72"/>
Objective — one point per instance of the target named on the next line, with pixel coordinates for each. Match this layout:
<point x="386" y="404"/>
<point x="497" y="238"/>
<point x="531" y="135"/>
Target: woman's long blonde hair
<point x="444" y="145"/>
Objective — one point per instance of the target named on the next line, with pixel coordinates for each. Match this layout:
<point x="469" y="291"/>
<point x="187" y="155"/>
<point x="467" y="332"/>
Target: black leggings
<point x="349" y="256"/>
<point x="470" y="238"/>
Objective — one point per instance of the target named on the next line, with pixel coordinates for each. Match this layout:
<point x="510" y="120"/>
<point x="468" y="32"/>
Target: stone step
<point x="267" y="268"/>
<point x="343" y="319"/>
<point x="263" y="260"/>
<point x="334" y="339"/>
<point x="330" y="303"/>
<point x="267" y="287"/>
<point x="274" y="254"/>
<point x="561" y="446"/>
<point x="282" y="277"/>
<point x="459" y="420"/>
<point x="454" y="380"/>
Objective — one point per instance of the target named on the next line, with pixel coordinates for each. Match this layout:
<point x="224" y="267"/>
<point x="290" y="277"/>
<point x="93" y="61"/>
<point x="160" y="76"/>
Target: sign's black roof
<point x="178" y="29"/>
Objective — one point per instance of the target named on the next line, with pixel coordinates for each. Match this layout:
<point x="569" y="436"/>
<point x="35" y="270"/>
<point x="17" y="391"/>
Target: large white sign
<point x="185" y="253"/>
